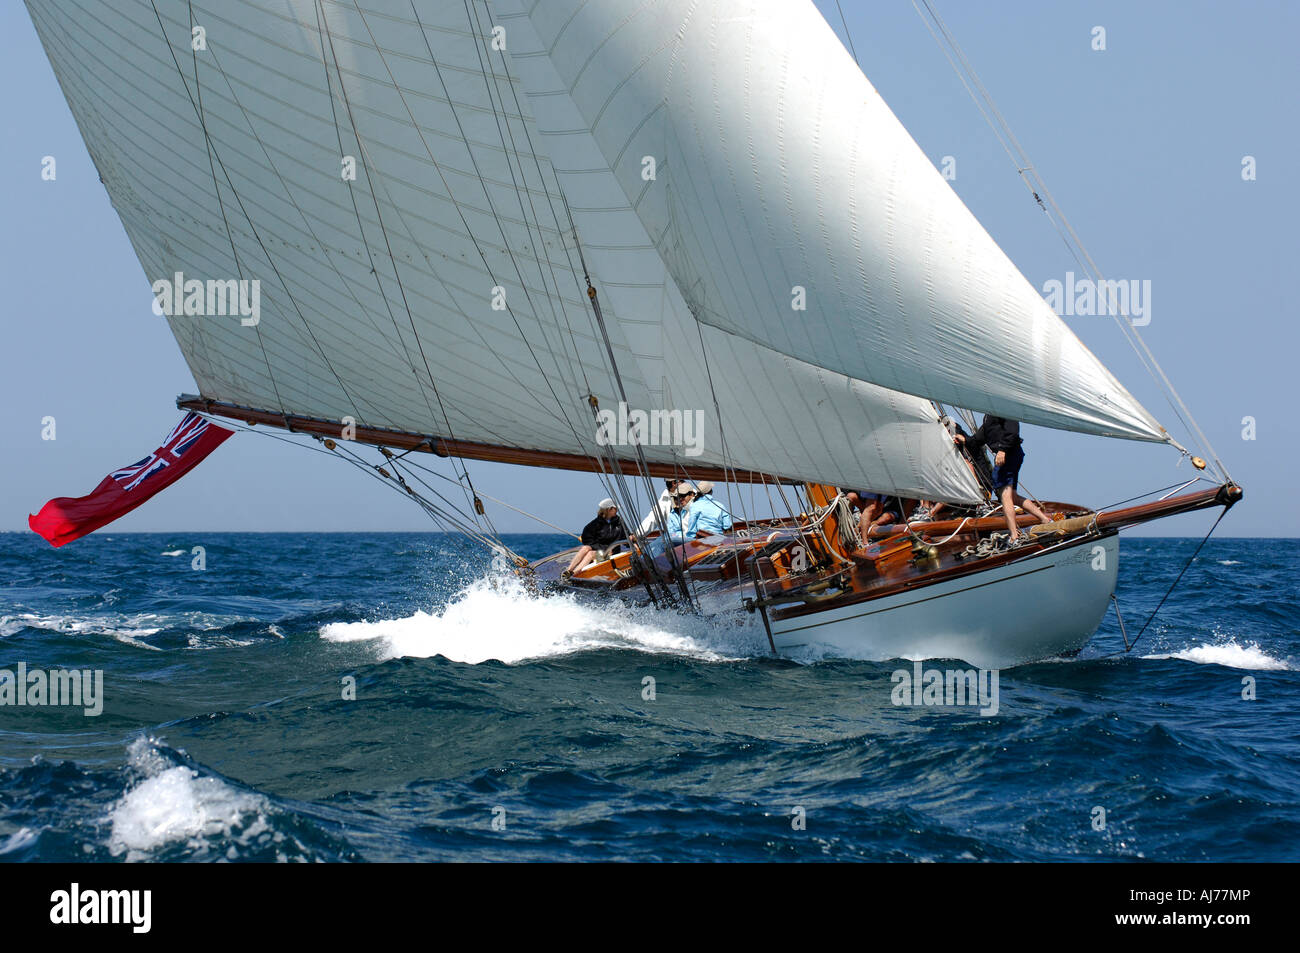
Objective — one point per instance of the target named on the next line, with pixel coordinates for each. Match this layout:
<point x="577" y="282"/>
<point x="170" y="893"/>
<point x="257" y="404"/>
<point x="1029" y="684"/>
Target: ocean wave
<point x="173" y="803"/>
<point x="154" y="631"/>
<point x="127" y="629"/>
<point x="176" y="808"/>
<point x="1230" y="654"/>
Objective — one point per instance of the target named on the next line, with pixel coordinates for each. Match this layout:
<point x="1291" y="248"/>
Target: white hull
<point x="1040" y="607"/>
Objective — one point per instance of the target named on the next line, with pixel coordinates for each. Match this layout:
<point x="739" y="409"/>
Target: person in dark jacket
<point x="1002" y="437"/>
<point x="598" y="535"/>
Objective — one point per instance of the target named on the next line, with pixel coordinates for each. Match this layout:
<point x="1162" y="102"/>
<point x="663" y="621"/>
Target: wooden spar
<point x="1225" y="495"/>
<point x="469" y="450"/>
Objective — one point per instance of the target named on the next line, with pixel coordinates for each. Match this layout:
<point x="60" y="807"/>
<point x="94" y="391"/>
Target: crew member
<point x="660" y="510"/>
<point x="708" y="515"/>
<point x="1002" y="436"/>
<point x="600" y="534"/>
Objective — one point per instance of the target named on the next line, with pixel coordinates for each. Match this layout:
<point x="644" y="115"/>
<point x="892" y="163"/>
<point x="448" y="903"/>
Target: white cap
<point x="686" y="486"/>
<point x="605" y="504"/>
<point x="705" y="487"/>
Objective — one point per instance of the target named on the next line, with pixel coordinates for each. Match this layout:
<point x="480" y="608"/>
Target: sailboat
<point x="480" y="230"/>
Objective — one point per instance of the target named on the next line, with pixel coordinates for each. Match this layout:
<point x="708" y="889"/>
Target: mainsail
<point x="421" y="189"/>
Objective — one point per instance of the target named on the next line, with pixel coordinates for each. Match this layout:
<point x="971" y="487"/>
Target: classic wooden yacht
<point x="934" y="589"/>
<point x="479" y="227"/>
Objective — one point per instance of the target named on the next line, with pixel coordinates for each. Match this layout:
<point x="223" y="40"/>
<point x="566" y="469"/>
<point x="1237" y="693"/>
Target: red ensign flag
<point x="67" y="518"/>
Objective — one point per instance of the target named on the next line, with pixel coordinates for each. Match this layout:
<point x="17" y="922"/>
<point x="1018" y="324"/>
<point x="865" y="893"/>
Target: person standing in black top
<point x="1002" y="436"/>
<point x="600" y="534"/>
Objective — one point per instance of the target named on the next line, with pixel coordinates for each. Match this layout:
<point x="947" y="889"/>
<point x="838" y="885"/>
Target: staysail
<point x="403" y="180"/>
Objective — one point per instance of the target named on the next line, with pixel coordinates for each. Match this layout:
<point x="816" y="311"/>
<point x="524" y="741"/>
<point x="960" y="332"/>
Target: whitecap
<point x="1229" y="654"/>
<point x="127" y="629"/>
<point x="174" y="803"/>
<point x="497" y="618"/>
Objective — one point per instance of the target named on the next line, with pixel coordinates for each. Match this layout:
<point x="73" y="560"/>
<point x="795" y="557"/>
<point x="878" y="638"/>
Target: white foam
<point x="497" y="618"/>
<point x="1230" y="654"/>
<point x="19" y="839"/>
<point x="174" y="803"/>
<point x="131" y="629"/>
<point x="173" y="552"/>
<point x="128" y="629"/>
<point x="1229" y="562"/>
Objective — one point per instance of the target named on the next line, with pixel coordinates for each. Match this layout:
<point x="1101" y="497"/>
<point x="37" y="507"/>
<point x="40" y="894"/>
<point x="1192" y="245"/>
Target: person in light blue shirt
<point x="681" y="520"/>
<point x="707" y="514"/>
<point x="678" y="520"/>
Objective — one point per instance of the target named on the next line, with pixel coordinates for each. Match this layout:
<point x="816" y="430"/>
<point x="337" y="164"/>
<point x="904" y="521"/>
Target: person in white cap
<point x="598" y="535"/>
<point x="707" y="514"/>
<point x="661" y="508"/>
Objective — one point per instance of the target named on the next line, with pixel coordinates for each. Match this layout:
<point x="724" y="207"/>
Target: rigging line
<point x="256" y="234"/>
<point x="347" y="284"/>
<point x="452" y="517"/>
<point x="356" y="211"/>
<point x="597" y="333"/>
<point x="1002" y="132"/>
<point x="484" y="69"/>
<point x="198" y="112"/>
<point x="1023" y="165"/>
<point x="560" y="405"/>
<point x="347" y="456"/>
<point x="642" y="465"/>
<point x="374" y="269"/>
<point x="496" y="218"/>
<point x="618" y="476"/>
<point x="1111" y="506"/>
<point x="322" y="29"/>
<point x="598" y="322"/>
<point x="495" y="540"/>
<point x="486" y="496"/>
<point x="722" y="439"/>
<point x="847" y="35"/>
<point x="550" y="203"/>
<point x="392" y="258"/>
<point x="513" y="148"/>
<point x="1187" y="565"/>
<point x="306" y="325"/>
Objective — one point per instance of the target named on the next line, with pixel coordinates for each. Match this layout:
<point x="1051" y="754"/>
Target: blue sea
<point x="394" y="697"/>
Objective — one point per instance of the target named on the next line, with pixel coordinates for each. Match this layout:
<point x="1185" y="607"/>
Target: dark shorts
<point x="1009" y="473"/>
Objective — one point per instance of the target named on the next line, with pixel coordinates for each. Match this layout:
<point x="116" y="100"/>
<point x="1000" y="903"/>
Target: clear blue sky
<point x="1142" y="145"/>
